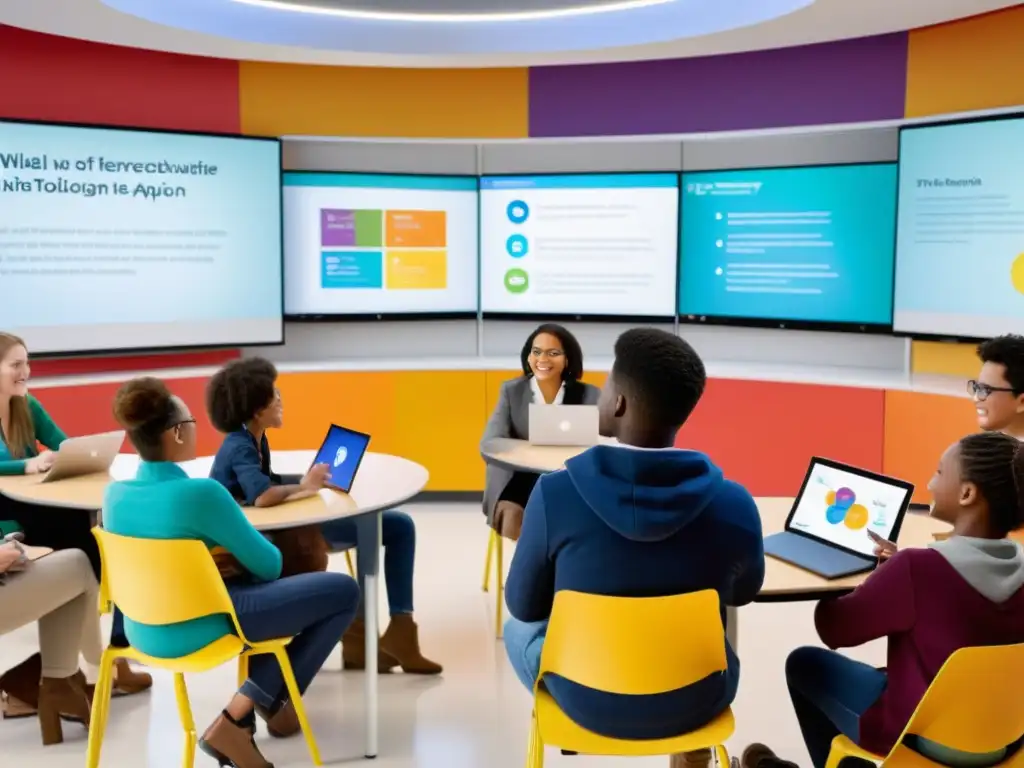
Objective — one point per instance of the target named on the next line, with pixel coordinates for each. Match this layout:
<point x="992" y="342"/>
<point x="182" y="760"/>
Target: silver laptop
<point x="85" y="455"/>
<point x="563" y="424"/>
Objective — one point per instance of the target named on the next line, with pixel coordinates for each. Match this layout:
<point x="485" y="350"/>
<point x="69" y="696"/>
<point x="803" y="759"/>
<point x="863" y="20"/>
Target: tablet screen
<point x="342" y="451"/>
<point x="840" y="504"/>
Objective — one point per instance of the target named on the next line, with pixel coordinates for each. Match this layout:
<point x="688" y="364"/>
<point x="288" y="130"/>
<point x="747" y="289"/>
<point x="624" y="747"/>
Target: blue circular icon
<point x="518" y="211"/>
<point x="517" y="246"/>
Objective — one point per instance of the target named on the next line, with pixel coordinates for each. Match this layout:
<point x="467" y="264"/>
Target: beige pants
<point x="60" y="592"/>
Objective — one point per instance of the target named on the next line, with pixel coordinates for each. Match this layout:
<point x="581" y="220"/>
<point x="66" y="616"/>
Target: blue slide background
<point x="243" y="199"/>
<point x="854" y="208"/>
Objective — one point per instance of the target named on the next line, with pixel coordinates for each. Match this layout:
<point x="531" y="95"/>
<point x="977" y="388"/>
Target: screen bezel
<point x="777" y="323"/>
<point x="919" y="335"/>
<point x="867" y="475"/>
<point x="576" y="316"/>
<point x="353" y="317"/>
<point x="366" y="450"/>
<point x="95" y="351"/>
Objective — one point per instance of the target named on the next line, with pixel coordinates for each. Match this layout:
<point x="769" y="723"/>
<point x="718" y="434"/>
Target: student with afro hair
<point x="243" y="402"/>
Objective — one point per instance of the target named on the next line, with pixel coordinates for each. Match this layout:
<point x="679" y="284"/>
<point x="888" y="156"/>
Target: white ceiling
<point x="825" y="20"/>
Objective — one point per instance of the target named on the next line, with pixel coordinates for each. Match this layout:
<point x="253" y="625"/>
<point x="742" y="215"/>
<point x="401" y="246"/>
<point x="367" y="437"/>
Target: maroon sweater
<point x="928" y="611"/>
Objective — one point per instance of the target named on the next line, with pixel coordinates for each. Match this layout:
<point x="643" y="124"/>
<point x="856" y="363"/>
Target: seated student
<point x="163" y="502"/>
<point x="24" y="425"/>
<point x="999" y="389"/>
<point x="638" y="519"/>
<point x="243" y="402"/>
<point x="552" y="362"/>
<point x="958" y="593"/>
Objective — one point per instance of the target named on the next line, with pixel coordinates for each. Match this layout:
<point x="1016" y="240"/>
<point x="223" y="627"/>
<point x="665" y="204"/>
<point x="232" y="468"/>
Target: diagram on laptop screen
<point x="841" y="507"/>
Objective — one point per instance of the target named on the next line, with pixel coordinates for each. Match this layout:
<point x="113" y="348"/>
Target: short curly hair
<point x="238" y="391"/>
<point x="1007" y="351"/>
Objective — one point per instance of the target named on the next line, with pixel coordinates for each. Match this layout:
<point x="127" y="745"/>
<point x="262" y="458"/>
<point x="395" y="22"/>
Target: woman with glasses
<point x="243" y="403"/>
<point x="552" y="363"/>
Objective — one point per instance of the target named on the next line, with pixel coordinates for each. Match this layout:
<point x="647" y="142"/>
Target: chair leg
<point x="296" y="699"/>
<point x="100" y="706"/>
<point x="188" y="759"/>
<point x="499" y="581"/>
<point x="487" y="561"/>
<point x="723" y="756"/>
<point x="535" y="753"/>
<point x="348" y="562"/>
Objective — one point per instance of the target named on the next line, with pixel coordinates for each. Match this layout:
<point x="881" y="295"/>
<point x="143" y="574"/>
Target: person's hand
<point x="315" y="478"/>
<point x="41" y="463"/>
<point x="10" y="557"/>
<point x="884" y="549"/>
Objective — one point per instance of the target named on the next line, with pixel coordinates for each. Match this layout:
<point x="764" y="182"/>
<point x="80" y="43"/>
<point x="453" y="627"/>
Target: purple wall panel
<point x="846" y="81"/>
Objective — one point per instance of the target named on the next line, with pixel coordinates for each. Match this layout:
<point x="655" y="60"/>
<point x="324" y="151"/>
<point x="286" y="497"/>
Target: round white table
<point x="782" y="582"/>
<point x="383" y="482"/>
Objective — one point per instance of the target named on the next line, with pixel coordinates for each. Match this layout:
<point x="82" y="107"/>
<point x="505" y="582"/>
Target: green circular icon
<point x="517" y="281"/>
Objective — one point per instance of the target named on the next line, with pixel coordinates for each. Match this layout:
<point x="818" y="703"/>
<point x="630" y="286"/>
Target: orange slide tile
<point x="415" y="229"/>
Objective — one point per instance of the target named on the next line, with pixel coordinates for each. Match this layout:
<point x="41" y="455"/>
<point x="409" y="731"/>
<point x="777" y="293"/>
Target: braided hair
<point x="994" y="462"/>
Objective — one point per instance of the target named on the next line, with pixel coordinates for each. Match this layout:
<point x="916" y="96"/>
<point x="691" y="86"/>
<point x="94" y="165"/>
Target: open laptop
<point x="563" y="424"/>
<point x="85" y="455"/>
<point x="342" y="450"/>
<point x="827" y="529"/>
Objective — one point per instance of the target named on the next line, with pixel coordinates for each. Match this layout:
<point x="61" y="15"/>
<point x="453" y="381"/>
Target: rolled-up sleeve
<point x="244" y="462"/>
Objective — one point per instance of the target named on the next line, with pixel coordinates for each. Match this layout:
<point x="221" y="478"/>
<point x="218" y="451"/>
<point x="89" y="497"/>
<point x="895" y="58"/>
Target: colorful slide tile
<point x="343" y="228"/>
<point x="417" y="270"/>
<point x="416" y="229"/>
<point x="351" y="269"/>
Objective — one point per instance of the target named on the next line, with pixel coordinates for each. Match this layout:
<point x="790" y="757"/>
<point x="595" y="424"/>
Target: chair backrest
<point x="634" y="645"/>
<point x="975" y="703"/>
<point x="161" y="581"/>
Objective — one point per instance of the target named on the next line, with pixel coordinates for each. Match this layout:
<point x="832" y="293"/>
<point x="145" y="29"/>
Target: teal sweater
<point x="163" y="502"/>
<point x="47" y="433"/>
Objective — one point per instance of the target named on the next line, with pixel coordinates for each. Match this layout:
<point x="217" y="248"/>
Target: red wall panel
<point x="762" y="434"/>
<point x="44" y="77"/>
<point x="83" y="366"/>
<point x="88" y="409"/>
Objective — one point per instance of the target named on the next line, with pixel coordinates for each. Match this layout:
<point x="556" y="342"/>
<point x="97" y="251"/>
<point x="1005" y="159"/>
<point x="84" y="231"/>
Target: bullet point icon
<point x="718" y="216"/>
<point x="719" y="243"/>
<point x="719" y="271"/>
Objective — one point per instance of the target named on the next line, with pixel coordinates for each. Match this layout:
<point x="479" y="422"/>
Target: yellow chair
<point x="972" y="705"/>
<point x="165" y="582"/>
<point x="495" y="554"/>
<point x="629" y="646"/>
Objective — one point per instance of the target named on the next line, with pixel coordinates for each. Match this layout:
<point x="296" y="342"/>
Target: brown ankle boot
<point x="283" y="722"/>
<point x="353" y="649"/>
<point x="127" y="681"/>
<point x="20" y="687"/>
<point x="60" y="696"/>
<point x="402" y="642"/>
<point x="232" y="744"/>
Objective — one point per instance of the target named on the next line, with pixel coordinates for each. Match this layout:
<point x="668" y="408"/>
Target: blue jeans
<point x="398" y="535"/>
<point x="314" y="608"/>
<point x="830" y="693"/>
<point x="523" y="644"/>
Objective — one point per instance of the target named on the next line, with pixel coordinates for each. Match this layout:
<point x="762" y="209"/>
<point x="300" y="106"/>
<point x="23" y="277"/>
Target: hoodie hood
<point x="993" y="567"/>
<point x="644" y="494"/>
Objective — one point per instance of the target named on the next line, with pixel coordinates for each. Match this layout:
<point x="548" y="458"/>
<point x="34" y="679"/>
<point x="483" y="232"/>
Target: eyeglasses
<point x="554" y="354"/>
<point x="980" y="391"/>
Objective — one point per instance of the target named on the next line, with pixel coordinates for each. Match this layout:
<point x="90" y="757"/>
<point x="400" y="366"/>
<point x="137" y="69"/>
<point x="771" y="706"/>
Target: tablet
<point x="342" y="451"/>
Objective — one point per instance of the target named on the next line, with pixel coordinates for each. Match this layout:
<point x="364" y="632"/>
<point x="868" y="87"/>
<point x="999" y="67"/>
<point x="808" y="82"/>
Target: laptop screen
<point x="342" y="451"/>
<point x="839" y="504"/>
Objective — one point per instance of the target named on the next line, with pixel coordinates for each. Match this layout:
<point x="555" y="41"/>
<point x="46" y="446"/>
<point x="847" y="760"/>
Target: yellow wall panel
<point x="945" y="359"/>
<point x="309" y="100"/>
<point x="440" y="416"/>
<point x="972" y="64"/>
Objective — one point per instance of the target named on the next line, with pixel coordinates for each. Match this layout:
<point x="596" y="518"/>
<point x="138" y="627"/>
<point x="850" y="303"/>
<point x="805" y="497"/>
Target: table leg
<point x="732" y="627"/>
<point x="368" y="554"/>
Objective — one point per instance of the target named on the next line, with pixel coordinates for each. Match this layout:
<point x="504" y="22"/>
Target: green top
<point x="163" y="502"/>
<point x="47" y="433"/>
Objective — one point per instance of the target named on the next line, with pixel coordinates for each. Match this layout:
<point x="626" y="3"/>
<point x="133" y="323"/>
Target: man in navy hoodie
<point x="637" y="519"/>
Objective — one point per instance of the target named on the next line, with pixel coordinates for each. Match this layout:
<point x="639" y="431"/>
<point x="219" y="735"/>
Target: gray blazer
<point x="511" y="418"/>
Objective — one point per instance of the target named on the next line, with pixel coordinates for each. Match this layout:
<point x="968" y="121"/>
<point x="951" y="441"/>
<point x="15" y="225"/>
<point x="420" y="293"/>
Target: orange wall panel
<point x="307" y="100"/>
<point x="918" y="428"/>
<point x="971" y="64"/>
<point x="762" y="434"/>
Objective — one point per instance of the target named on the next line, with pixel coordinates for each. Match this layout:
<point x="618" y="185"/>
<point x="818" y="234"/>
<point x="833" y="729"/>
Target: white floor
<point x="476" y="714"/>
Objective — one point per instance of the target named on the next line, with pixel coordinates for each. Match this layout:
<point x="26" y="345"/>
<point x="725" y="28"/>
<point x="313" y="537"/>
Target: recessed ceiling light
<point x="454" y="18"/>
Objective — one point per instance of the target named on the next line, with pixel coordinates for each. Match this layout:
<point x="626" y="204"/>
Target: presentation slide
<point x="365" y="244"/>
<point x="960" y="244"/>
<point x="119" y="239"/>
<point x="841" y="507"/>
<point x="808" y="245"/>
<point x="595" y="244"/>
